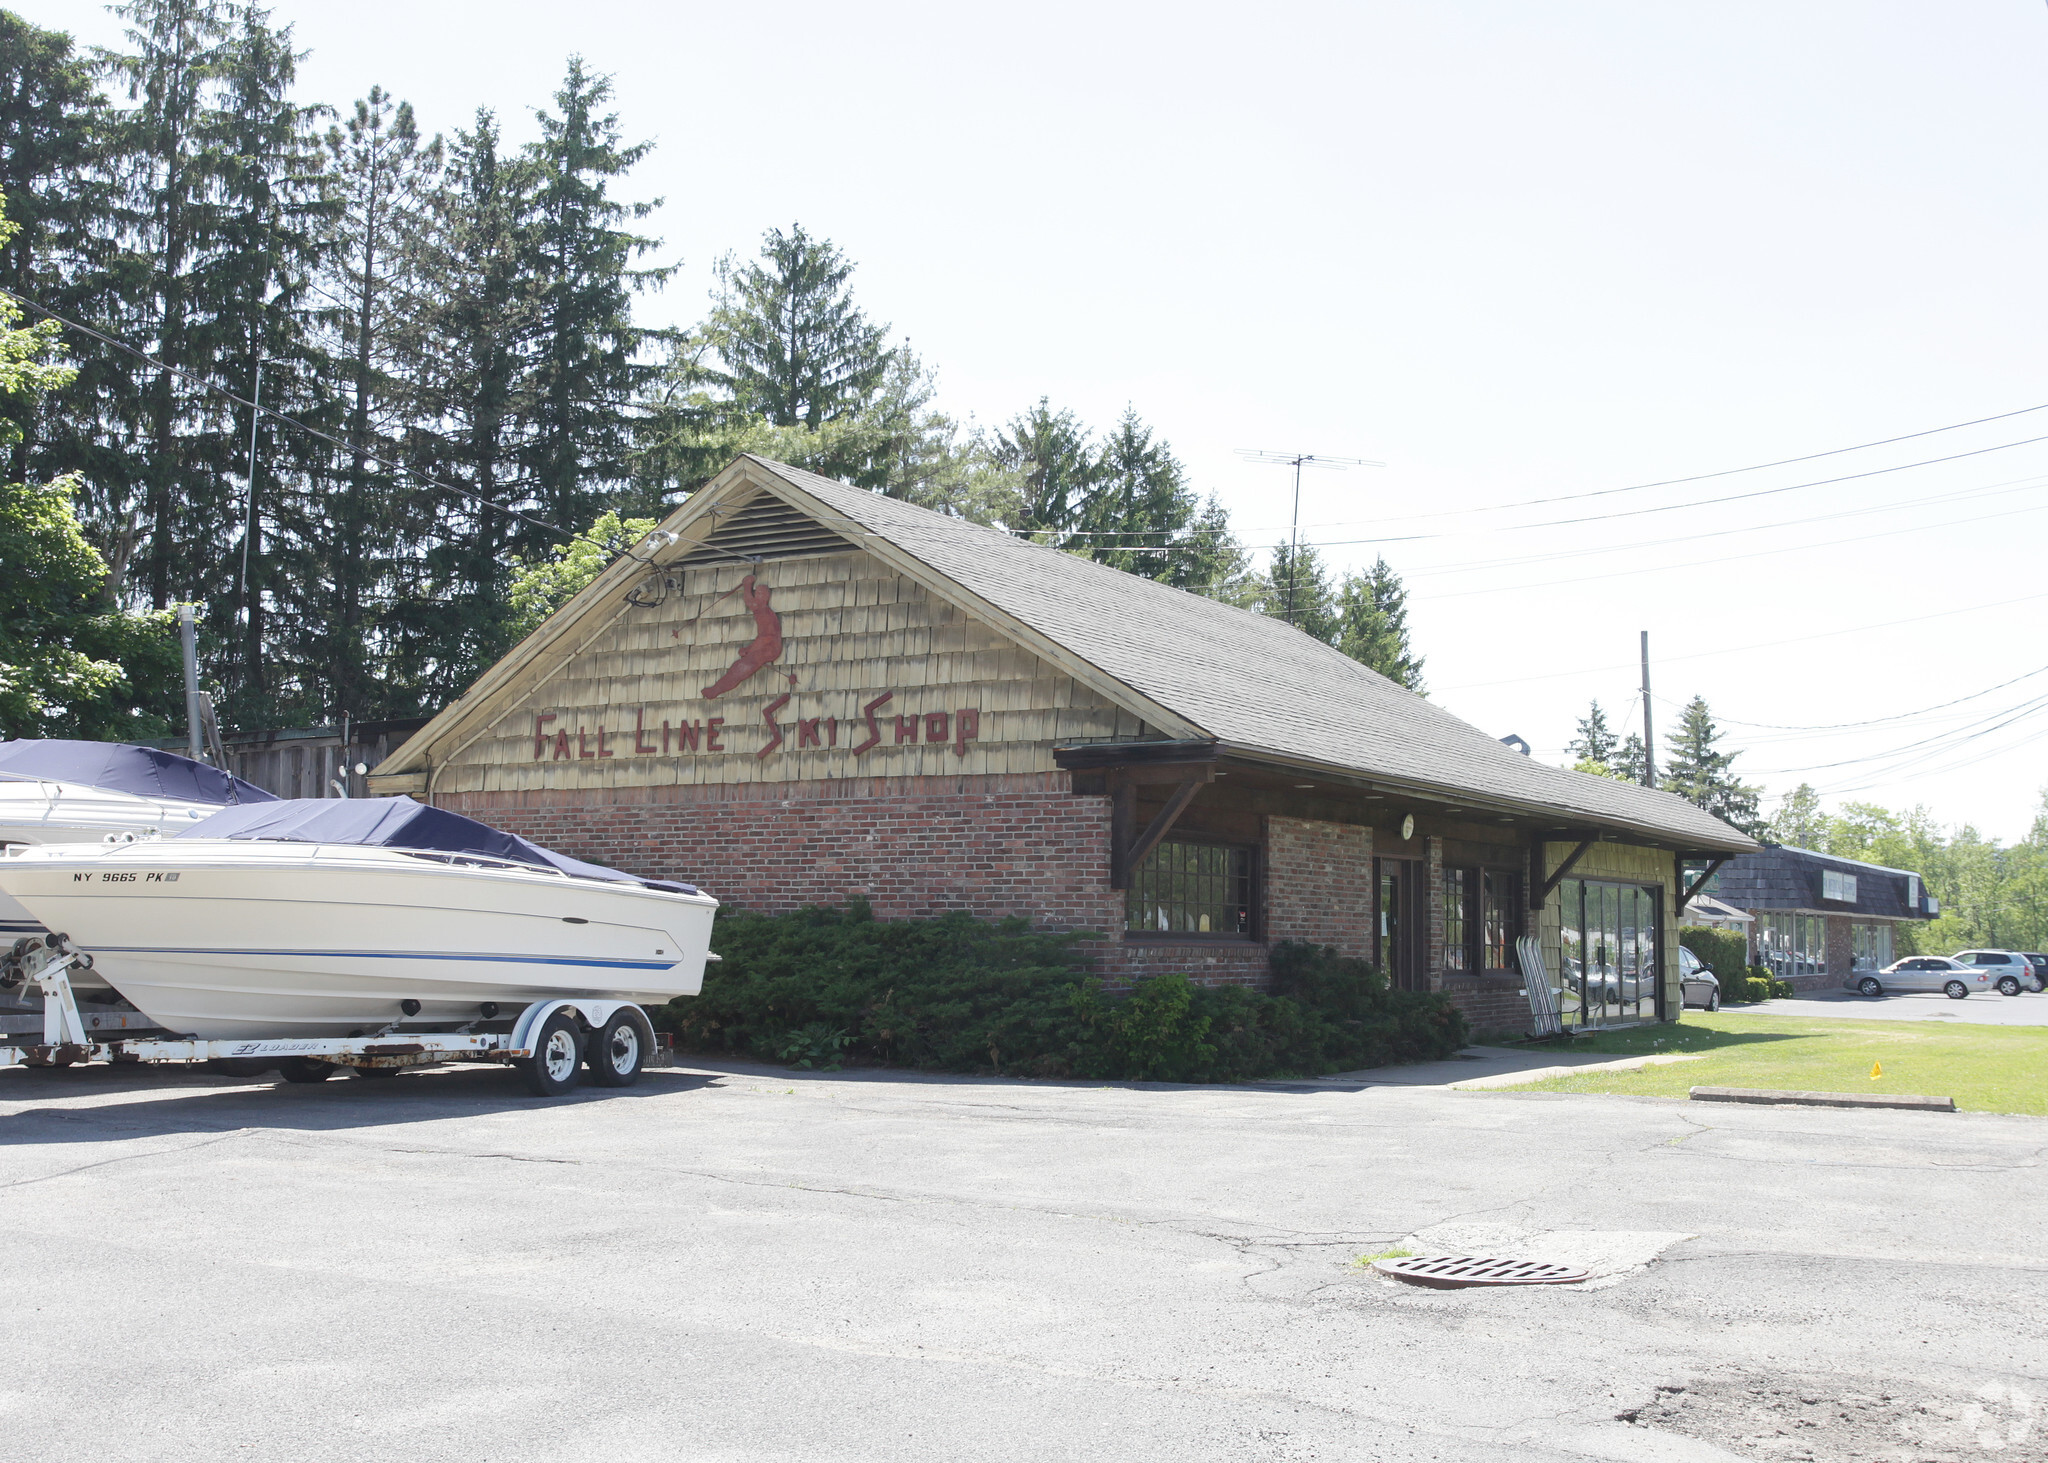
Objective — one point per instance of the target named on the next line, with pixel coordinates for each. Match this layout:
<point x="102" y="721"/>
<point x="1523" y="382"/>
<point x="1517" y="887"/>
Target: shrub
<point x="957" y="994"/>
<point x="1755" y="984"/>
<point x="1725" y="952"/>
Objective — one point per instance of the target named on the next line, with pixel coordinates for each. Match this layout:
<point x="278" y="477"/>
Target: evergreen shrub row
<point x="956" y="994"/>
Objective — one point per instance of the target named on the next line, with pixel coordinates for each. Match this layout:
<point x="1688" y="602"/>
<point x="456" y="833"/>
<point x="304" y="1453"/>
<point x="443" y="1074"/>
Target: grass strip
<point x="2002" y="1069"/>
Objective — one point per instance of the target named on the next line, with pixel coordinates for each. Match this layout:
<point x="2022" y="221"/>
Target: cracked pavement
<point x="750" y="1263"/>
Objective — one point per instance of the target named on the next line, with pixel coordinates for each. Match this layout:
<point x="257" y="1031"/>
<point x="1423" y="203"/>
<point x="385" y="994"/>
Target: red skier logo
<point x="767" y="644"/>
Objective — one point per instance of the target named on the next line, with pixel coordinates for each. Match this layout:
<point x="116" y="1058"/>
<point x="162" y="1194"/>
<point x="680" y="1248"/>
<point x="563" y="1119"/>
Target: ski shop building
<point x="796" y="691"/>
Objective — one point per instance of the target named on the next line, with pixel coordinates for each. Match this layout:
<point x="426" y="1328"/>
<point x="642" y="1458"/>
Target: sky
<point x="1514" y="252"/>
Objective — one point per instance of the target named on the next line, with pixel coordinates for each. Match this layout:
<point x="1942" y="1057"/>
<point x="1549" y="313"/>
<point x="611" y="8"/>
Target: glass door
<point x="1400" y="922"/>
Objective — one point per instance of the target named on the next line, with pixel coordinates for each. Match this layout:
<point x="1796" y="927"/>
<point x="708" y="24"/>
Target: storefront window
<point x="1457" y="897"/>
<point x="1794" y="944"/>
<point x="1608" y="962"/>
<point x="1870" y="946"/>
<point x="1500" y="919"/>
<point x="1191" y="889"/>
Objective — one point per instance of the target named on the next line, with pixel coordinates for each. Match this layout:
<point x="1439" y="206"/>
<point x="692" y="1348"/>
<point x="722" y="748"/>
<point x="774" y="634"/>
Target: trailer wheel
<point x="305" y="1069"/>
<point x="373" y="1073"/>
<point x="557" y="1061"/>
<point x="617" y="1051"/>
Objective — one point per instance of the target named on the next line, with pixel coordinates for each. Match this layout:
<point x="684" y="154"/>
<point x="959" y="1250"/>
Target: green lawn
<point x="1984" y="1068"/>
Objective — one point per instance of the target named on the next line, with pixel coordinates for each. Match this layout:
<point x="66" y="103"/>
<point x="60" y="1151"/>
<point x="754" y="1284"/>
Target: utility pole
<point x="188" y="634"/>
<point x="1649" y="751"/>
<point x="1297" y="461"/>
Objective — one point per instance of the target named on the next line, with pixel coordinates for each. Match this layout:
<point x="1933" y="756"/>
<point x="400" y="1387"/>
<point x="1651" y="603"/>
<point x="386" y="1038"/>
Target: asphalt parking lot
<point x="746" y="1263"/>
<point x="1979" y="1008"/>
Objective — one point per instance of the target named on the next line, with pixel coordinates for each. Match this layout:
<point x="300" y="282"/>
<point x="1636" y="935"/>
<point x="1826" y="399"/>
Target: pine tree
<point x="1049" y="458"/>
<point x="1699" y="773"/>
<point x="1373" y="625"/>
<point x="1595" y="743"/>
<point x="382" y="174"/>
<point x="589" y="366"/>
<point x="1212" y="562"/>
<point x="1297" y="589"/>
<point x="272" y="220"/>
<point x="1137" y="500"/>
<point x="53" y="123"/>
<point x="467" y="327"/>
<point x="792" y="347"/>
<point x="1630" y="764"/>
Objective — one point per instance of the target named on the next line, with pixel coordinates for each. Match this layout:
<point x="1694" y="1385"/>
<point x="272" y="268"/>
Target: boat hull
<point x="222" y="939"/>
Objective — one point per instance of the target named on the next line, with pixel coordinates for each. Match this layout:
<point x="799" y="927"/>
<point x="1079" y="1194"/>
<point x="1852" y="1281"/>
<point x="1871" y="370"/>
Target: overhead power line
<point x="1761" y="645"/>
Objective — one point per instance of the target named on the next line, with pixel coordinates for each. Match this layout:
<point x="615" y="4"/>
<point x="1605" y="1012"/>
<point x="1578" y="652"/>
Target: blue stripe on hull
<point x="403" y="955"/>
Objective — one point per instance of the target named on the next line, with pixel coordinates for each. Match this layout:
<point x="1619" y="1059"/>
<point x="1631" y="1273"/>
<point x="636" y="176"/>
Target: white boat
<point x="337" y="918"/>
<point x="57" y="791"/>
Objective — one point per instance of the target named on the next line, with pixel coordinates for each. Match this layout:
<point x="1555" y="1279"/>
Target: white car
<point x="2011" y="971"/>
<point x="1923" y="973"/>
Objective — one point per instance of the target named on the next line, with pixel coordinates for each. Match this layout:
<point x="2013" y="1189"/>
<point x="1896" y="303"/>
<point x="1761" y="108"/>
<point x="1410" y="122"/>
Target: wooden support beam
<point x="1685" y="894"/>
<point x="1540" y="883"/>
<point x="1128" y="850"/>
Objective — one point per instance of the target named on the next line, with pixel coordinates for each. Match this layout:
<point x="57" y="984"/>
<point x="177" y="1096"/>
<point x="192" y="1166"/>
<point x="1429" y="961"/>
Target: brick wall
<point x="1319" y="883"/>
<point x="914" y="847"/>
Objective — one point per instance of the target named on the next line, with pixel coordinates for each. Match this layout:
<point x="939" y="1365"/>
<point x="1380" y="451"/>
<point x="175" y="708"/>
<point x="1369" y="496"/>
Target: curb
<point x="1907" y="1100"/>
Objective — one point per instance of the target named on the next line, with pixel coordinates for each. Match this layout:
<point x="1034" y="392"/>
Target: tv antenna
<point x="1297" y="461"/>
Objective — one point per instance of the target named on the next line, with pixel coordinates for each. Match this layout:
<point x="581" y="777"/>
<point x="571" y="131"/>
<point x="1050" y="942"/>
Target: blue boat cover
<point x="398" y="823"/>
<point x="119" y="767"/>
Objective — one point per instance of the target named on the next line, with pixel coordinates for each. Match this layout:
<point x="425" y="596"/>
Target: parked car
<point x="1700" y="986"/>
<point x="1923" y="973"/>
<point x="2040" y="963"/>
<point x="2011" y="972"/>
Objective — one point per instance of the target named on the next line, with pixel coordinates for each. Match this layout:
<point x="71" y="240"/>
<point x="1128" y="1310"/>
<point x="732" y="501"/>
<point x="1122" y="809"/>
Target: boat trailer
<point x="548" y="1042"/>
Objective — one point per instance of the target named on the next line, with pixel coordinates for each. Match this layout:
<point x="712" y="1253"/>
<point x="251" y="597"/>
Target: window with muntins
<point x="1202" y="889"/>
<point x="1457" y="898"/>
<point x="1500" y="918"/>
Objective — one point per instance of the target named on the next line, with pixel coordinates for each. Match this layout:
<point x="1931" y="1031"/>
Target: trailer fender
<point x="592" y="1011"/>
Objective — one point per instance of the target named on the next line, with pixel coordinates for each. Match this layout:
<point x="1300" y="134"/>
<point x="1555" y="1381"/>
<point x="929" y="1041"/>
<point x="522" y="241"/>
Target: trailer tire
<point x="239" y="1066"/>
<point x="618" y="1050"/>
<point x="305" y="1069"/>
<point x="373" y="1073"/>
<point x="556" y="1065"/>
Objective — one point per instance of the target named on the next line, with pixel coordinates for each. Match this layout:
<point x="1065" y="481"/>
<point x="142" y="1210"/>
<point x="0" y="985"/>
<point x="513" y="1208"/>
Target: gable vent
<point x="766" y="528"/>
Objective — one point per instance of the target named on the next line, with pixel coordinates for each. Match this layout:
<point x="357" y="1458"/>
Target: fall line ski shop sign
<point x="877" y="720"/>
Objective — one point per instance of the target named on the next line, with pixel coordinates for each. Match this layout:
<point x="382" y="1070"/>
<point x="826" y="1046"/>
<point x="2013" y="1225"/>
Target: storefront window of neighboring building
<point x="1608" y="965"/>
<point x="1794" y="944"/>
<point x="1192" y="889"/>
<point x="1870" y="946"/>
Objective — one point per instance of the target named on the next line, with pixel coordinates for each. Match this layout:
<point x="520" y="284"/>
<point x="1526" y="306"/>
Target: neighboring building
<point x="309" y="762"/>
<point x="796" y="691"/>
<point x="1818" y="917"/>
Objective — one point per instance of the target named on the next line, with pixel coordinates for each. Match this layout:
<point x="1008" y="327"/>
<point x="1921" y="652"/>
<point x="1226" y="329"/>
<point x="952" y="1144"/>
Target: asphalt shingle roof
<point x="1778" y="876"/>
<point x="1248" y="680"/>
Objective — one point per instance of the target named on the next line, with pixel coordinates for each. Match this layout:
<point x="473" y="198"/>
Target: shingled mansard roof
<point x="1191" y="667"/>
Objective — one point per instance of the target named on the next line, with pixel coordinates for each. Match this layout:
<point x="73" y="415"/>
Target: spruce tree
<point x="1630" y="764"/>
<point x="791" y="347"/>
<point x="1373" y="625"/>
<point x="1049" y="458"/>
<point x="1137" y="502"/>
<point x="53" y="123"/>
<point x="1596" y="746"/>
<point x="467" y="326"/>
<point x="382" y="175"/>
<point x="589" y="357"/>
<point x="1700" y="773"/>
<point x="1210" y="561"/>
<point x="1297" y="589"/>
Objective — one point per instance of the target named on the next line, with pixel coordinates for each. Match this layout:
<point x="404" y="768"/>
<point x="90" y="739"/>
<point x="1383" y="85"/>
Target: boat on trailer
<point x="337" y="923"/>
<point x="57" y="791"/>
<point x="319" y="917"/>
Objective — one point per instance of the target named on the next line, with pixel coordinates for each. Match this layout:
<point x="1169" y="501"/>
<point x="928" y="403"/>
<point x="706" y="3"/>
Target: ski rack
<point x="68" y="1039"/>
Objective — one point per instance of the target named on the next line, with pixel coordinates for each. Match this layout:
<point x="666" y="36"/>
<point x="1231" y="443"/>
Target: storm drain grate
<point x="1452" y="1272"/>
